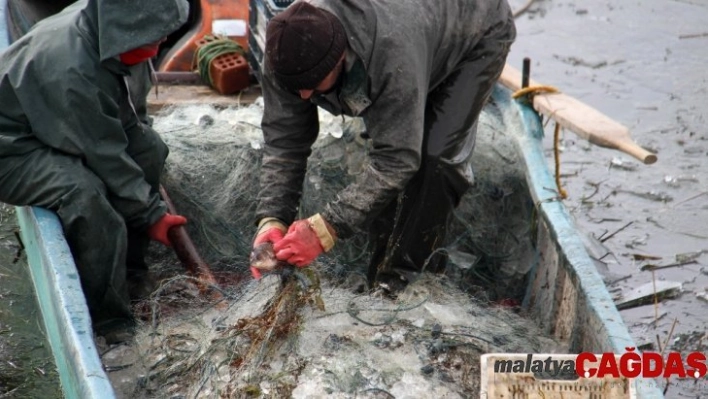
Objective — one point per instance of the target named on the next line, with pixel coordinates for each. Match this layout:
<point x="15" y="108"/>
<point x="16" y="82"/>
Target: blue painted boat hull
<point x="61" y="300"/>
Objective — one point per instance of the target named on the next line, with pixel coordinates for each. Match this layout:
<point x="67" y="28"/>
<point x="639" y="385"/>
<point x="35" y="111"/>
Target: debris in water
<point x="596" y="249"/>
<point x="675" y="181"/>
<point x="693" y="35"/>
<point x="690" y="256"/>
<point x="644" y="295"/>
<point x="618" y="163"/>
<point x="671" y="181"/>
<point x="617" y="280"/>
<point x="702" y="295"/>
<point x="640" y="257"/>
<point x="658" y="267"/>
<point x="575" y="61"/>
<point x="649" y="346"/>
<point x="695" y="341"/>
<point x="694" y="149"/>
<point x="603" y="238"/>
<point x="649" y="195"/>
<point x="656" y="319"/>
<point x="637" y="241"/>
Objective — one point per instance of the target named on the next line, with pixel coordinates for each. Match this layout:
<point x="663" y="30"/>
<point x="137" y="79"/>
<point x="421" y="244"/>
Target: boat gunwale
<point x="578" y="263"/>
<point x="61" y="300"/>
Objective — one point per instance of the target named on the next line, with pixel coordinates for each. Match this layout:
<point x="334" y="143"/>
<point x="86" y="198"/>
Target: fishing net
<point x="316" y="332"/>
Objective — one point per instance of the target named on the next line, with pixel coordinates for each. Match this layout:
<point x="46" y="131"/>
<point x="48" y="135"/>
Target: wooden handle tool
<point x="186" y="251"/>
<point x="580" y="118"/>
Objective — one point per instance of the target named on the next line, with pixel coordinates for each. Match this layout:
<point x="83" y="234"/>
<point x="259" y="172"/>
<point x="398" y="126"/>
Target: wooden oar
<point x="187" y="252"/>
<point x="580" y="118"/>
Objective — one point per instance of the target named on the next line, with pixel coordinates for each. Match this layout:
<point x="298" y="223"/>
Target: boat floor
<point x="319" y="336"/>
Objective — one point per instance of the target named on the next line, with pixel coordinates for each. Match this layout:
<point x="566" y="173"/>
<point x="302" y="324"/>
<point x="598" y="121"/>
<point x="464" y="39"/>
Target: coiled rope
<point x="214" y="47"/>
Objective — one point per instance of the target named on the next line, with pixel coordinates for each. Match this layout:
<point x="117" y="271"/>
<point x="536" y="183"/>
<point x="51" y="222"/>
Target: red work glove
<point x="305" y="241"/>
<point x="269" y="230"/>
<point x="158" y="231"/>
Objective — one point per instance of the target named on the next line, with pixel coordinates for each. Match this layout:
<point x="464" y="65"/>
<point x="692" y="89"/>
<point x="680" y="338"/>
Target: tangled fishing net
<point x="316" y="332"/>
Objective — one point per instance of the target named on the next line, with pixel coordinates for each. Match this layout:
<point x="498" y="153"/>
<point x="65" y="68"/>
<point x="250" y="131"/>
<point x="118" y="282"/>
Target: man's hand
<point x="269" y="230"/>
<point x="158" y="231"/>
<point x="305" y="241"/>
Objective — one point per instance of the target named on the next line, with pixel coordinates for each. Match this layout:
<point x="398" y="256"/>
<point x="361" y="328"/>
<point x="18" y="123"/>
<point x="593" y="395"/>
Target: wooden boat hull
<point x="565" y="293"/>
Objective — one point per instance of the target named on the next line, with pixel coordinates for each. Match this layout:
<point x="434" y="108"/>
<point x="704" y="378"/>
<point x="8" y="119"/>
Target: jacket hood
<point x="123" y="25"/>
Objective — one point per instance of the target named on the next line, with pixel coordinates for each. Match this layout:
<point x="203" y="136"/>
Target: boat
<point x="564" y="293"/>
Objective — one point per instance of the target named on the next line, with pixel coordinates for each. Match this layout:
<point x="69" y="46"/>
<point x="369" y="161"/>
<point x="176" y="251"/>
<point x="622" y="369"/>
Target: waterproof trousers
<point x="406" y="237"/>
<point x="100" y="241"/>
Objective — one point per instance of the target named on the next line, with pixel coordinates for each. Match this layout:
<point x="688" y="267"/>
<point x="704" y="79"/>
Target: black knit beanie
<point x="303" y="45"/>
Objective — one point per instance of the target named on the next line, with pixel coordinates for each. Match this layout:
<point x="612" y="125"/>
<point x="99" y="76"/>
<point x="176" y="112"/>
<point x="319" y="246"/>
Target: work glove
<point x="158" y="231"/>
<point x="269" y="230"/>
<point x="305" y="241"/>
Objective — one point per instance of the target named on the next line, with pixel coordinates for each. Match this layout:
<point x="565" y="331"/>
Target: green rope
<point x="214" y="47"/>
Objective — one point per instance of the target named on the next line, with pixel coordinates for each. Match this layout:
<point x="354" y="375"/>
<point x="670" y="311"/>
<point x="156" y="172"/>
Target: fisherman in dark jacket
<point x="419" y="73"/>
<point x="75" y="138"/>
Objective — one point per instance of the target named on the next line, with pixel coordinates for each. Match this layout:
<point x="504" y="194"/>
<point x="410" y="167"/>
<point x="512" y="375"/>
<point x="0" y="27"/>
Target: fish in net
<point x="317" y="331"/>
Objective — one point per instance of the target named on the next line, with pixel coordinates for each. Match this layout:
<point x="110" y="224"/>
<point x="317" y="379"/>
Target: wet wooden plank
<point x="165" y="95"/>
<point x="580" y="118"/>
<point x="645" y="294"/>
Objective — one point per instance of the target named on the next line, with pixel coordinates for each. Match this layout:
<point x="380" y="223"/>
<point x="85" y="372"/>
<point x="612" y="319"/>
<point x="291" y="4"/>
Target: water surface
<point x="643" y="64"/>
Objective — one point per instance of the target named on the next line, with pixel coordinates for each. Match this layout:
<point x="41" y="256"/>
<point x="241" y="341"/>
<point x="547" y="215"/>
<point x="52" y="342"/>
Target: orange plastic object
<point x="218" y="17"/>
<point x="229" y="73"/>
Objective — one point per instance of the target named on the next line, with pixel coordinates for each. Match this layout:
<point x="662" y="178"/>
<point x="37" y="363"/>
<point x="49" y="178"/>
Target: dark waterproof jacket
<point x="63" y="86"/>
<point x="407" y="49"/>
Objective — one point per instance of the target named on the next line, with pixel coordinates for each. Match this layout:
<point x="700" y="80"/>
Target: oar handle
<point x="186" y="251"/>
<point x="580" y="118"/>
<point x="631" y="148"/>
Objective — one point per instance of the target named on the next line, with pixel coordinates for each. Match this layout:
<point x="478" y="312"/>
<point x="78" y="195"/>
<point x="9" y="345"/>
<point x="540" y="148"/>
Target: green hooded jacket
<point x="407" y="48"/>
<point x="63" y="86"/>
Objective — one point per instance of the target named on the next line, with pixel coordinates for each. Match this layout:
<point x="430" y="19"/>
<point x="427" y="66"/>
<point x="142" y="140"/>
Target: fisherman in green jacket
<point x="75" y="138"/>
<point x="418" y="72"/>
